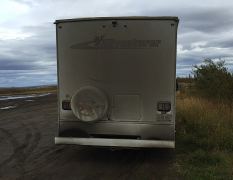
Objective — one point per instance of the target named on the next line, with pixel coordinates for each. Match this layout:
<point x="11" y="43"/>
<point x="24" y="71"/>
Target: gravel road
<point x="27" y="149"/>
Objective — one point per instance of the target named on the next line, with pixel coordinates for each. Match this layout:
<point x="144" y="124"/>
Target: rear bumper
<point x="115" y="142"/>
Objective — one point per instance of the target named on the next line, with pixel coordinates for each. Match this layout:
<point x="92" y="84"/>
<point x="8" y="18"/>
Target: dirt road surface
<point x="27" y="150"/>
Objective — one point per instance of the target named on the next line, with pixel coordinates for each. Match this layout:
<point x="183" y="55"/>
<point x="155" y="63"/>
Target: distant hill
<point x="28" y="90"/>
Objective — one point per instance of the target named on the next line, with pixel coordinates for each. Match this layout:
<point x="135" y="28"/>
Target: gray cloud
<point x="20" y="78"/>
<point x="27" y="42"/>
<point x="207" y="20"/>
<point x="35" y="52"/>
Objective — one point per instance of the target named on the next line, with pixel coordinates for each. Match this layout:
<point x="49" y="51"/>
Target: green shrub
<point x="212" y="80"/>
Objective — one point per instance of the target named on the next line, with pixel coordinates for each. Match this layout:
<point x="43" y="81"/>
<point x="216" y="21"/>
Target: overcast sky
<point x="27" y="32"/>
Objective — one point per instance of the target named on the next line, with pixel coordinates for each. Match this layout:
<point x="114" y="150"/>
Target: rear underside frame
<point x="116" y="142"/>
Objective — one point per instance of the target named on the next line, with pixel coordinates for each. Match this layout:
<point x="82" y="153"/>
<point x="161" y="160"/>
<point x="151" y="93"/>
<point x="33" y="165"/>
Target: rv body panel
<point x="116" y="73"/>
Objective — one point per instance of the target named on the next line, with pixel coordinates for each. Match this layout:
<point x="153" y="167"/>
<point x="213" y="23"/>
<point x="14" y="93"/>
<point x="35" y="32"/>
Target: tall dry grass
<point x="204" y="138"/>
<point x="210" y="123"/>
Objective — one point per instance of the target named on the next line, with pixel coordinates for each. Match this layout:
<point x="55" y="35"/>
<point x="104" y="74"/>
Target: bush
<point x="212" y="80"/>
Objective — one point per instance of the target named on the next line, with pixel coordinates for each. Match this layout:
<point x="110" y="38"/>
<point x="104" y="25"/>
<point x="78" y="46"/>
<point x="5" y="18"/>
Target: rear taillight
<point x="164" y="106"/>
<point x="66" y="105"/>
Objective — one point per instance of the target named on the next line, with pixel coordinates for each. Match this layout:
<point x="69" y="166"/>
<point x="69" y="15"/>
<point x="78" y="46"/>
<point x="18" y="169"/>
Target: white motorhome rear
<point x="117" y="81"/>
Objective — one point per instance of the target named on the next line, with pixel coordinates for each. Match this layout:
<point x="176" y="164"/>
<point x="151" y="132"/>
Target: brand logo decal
<point x="100" y="42"/>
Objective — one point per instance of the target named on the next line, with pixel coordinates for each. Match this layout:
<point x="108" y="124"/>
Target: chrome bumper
<point x="115" y="142"/>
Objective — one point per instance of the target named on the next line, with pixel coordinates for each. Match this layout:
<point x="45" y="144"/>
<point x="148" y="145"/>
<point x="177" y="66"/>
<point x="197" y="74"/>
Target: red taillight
<point x="164" y="106"/>
<point x="66" y="105"/>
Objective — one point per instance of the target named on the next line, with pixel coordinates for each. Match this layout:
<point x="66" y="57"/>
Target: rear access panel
<point x="126" y="108"/>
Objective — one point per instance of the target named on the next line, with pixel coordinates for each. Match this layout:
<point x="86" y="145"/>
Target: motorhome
<point x="117" y="81"/>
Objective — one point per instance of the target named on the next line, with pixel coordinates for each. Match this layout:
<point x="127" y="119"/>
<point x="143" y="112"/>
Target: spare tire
<point x="89" y="104"/>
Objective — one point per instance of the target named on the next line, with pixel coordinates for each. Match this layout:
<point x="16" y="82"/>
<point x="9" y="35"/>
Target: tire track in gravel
<point x="21" y="150"/>
<point x="14" y="144"/>
<point x="33" y="141"/>
<point x="17" y="154"/>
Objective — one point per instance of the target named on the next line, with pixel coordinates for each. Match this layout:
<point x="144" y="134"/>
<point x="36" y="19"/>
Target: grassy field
<point x="28" y="90"/>
<point x="204" y="139"/>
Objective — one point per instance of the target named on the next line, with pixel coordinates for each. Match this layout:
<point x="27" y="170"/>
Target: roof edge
<point x="174" y="18"/>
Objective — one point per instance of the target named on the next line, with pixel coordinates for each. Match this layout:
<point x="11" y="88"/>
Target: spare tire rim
<point x="89" y="104"/>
